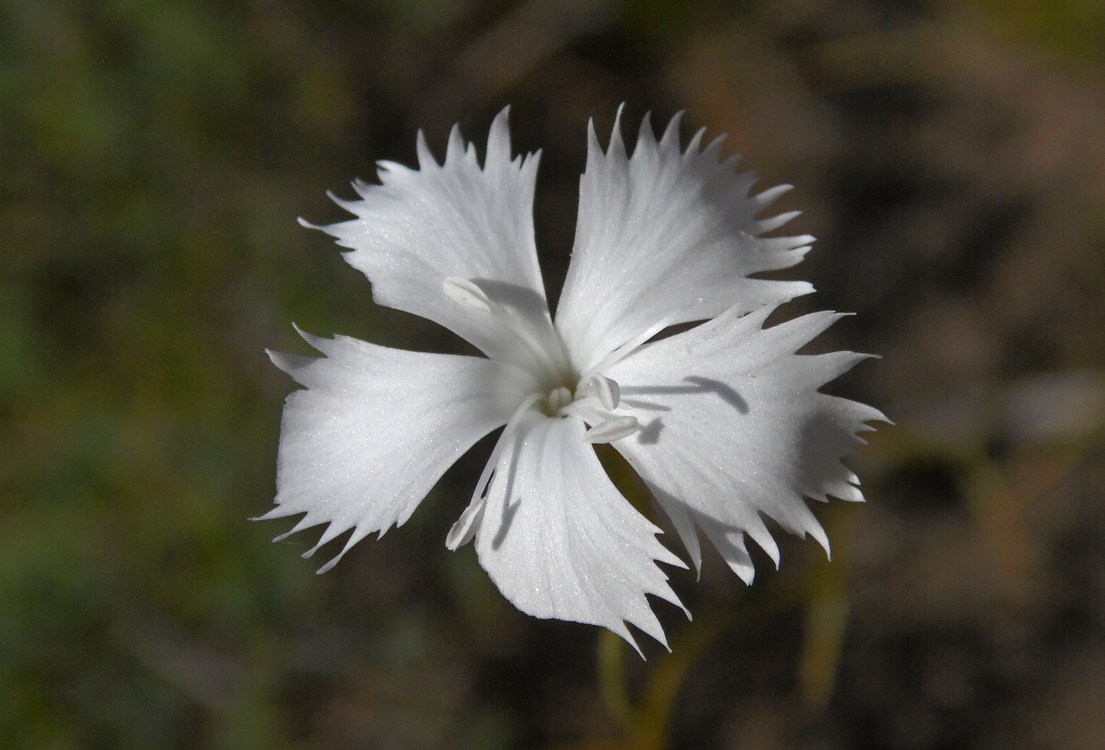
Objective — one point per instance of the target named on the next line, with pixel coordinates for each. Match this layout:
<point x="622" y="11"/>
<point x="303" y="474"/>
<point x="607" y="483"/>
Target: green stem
<point x="611" y="667"/>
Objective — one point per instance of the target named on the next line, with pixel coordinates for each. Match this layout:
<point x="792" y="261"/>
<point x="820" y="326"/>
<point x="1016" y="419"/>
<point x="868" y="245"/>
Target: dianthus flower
<point x="723" y="421"/>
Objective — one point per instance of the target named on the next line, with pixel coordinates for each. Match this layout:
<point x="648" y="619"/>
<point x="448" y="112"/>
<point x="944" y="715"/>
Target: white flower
<point x="724" y="421"/>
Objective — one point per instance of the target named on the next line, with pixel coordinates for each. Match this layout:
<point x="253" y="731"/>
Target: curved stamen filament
<point x="469" y="522"/>
<point x="468" y="293"/>
<point x="625" y="349"/>
<point x="511" y="426"/>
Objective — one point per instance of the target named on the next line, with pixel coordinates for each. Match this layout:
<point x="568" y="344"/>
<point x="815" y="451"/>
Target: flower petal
<point x="666" y="237"/>
<point x="560" y="541"/>
<point x="733" y="427"/>
<point x="377" y="427"/>
<point x="455" y="220"/>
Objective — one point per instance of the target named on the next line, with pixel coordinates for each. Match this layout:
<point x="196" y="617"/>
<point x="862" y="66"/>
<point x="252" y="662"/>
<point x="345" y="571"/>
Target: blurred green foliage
<point x="147" y="171"/>
<point x="1070" y="30"/>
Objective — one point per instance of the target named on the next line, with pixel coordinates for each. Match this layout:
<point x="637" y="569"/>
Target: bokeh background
<point x="950" y="157"/>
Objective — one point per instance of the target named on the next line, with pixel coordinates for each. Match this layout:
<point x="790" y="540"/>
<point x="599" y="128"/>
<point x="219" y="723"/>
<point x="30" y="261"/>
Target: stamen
<point x="466" y="292"/>
<point x="465" y="528"/>
<point x="558" y="399"/>
<point x="611" y="430"/>
<point x="608" y="391"/>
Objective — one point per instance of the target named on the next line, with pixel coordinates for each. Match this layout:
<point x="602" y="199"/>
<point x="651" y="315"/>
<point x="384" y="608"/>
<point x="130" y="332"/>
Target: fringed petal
<point x="561" y="542"/>
<point x="375" y="428"/>
<point x="454" y="220"/>
<point x="664" y="237"/>
<point x="734" y="428"/>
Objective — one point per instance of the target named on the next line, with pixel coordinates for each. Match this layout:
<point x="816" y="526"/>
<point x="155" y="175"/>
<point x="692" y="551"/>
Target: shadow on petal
<point x="514" y="296"/>
<point x="696" y="385"/>
<point x="649" y="434"/>
<point x="727" y="393"/>
<point x="510" y="509"/>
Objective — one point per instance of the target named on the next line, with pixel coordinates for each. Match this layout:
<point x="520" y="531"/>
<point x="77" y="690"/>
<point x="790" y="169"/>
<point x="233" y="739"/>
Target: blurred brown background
<point x="950" y="157"/>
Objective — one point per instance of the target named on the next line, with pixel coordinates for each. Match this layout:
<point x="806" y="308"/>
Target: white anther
<point x="608" y="391"/>
<point x="559" y="398"/>
<point x="465" y="528"/>
<point x="466" y="292"/>
<point x="611" y="430"/>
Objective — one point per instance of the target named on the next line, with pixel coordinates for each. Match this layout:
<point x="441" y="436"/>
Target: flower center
<point x="593" y="398"/>
<point x="557" y="399"/>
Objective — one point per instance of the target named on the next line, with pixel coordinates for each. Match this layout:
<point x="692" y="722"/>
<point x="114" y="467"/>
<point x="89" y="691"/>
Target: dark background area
<point x="949" y="156"/>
